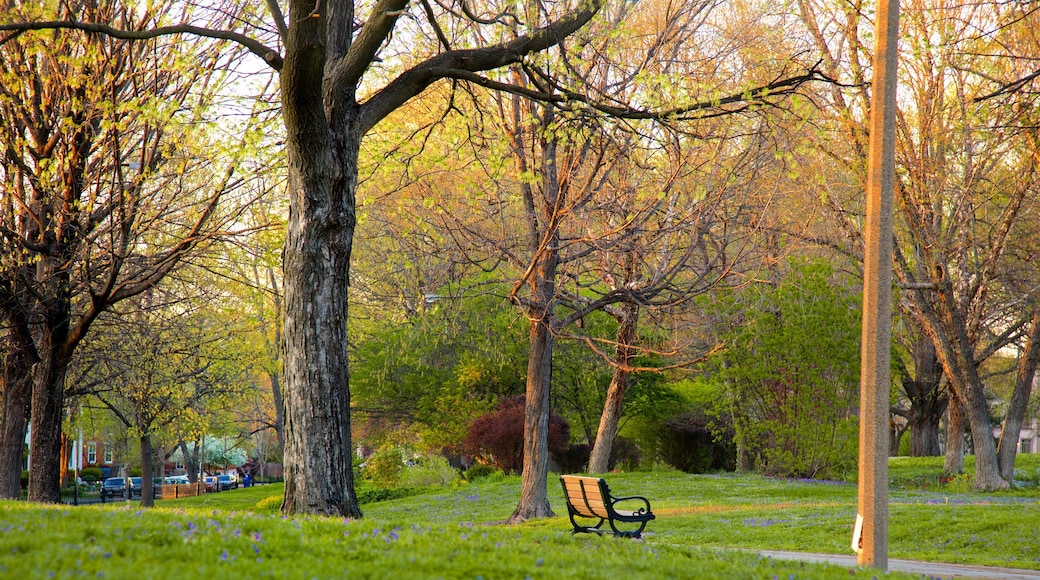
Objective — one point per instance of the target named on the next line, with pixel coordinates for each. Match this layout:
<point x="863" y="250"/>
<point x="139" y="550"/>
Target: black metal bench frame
<point x="589" y="497"/>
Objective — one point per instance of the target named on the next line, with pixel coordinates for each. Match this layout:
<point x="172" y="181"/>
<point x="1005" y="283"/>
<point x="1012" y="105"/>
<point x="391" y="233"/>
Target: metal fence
<point x="80" y="496"/>
<point x="86" y="495"/>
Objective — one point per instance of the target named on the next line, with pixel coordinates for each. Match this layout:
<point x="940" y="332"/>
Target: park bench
<point x="589" y="497"/>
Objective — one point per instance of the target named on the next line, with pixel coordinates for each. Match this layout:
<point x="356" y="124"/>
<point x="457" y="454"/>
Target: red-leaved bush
<point x="498" y="437"/>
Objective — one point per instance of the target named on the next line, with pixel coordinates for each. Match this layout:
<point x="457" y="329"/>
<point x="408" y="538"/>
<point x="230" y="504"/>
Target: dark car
<point x="113" y="487"/>
<point x="225" y="482"/>
<point x="135" y="486"/>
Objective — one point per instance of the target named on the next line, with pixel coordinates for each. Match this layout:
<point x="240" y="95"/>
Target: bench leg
<point x="589" y="529"/>
<point x="638" y="533"/>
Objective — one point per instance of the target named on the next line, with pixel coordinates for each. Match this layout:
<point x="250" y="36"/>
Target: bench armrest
<point x="634" y="497"/>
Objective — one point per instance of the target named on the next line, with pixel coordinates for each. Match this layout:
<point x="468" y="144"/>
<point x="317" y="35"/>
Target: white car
<point x="177" y="480"/>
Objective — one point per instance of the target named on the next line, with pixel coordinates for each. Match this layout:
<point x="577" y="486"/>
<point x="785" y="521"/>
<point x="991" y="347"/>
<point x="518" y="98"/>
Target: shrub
<point x="498" y="436"/>
<point x="687" y="443"/>
<point x="384" y="467"/>
<point x="25" y="480"/>
<point x="625" y="455"/>
<point x="430" y="470"/>
<point x="90" y="474"/>
<point x="269" y="504"/>
<point x="576" y="458"/>
<point x="960" y="483"/>
<point x="386" y="494"/>
<point x="479" y="471"/>
<point x="791" y="372"/>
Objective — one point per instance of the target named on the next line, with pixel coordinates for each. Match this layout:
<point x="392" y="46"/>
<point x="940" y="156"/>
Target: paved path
<point x="930" y="569"/>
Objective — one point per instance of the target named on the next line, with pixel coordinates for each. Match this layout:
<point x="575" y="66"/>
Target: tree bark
<point x="534" y="498"/>
<point x="1018" y="405"/>
<point x="987" y="468"/>
<point x="147" y="489"/>
<point x="48" y="399"/>
<point x="543" y="243"/>
<point x="924" y="420"/>
<point x="927" y="401"/>
<point x="954" y="333"/>
<point x="17" y="398"/>
<point x="954" y="462"/>
<point x="599" y="460"/>
<point x="316" y="262"/>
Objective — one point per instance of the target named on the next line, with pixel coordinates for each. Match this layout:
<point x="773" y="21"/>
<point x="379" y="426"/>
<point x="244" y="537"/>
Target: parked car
<point x="113" y="487"/>
<point x="177" y="480"/>
<point x="211" y="483"/>
<point x="225" y="482"/>
<point x="135" y="486"/>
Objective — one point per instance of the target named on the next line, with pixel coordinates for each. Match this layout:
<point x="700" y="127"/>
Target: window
<point x="108" y="455"/>
<point x="91" y="453"/>
<point x="1025" y="446"/>
<point x="178" y="465"/>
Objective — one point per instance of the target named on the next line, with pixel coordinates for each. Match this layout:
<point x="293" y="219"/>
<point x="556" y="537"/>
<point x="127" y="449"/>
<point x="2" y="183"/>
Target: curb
<point x="930" y="569"/>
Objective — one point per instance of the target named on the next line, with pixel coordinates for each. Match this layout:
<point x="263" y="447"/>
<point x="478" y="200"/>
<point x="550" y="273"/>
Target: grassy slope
<point x="445" y="533"/>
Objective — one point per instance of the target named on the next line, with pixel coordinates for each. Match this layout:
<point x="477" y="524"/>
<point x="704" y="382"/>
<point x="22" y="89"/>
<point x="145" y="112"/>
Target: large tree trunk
<point x="318" y="473"/>
<point x="599" y="460"/>
<point x="17" y="397"/>
<point x="965" y="382"/>
<point x="954" y="462"/>
<point x="147" y="489"/>
<point x="927" y="401"/>
<point x="316" y="262"/>
<point x="987" y="469"/>
<point x="953" y="338"/>
<point x="924" y="420"/>
<point x="191" y="460"/>
<point x="534" y="498"/>
<point x="47" y="412"/>
<point x="1018" y="405"/>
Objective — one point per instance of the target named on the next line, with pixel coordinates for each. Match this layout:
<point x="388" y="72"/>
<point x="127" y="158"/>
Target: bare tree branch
<point x="269" y="55"/>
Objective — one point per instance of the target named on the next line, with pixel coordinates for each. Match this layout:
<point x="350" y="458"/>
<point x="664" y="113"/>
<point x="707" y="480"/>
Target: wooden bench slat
<point x="587" y="494"/>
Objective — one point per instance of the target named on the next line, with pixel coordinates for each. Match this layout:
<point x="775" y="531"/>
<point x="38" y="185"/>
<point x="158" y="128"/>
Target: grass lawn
<point x="457" y="533"/>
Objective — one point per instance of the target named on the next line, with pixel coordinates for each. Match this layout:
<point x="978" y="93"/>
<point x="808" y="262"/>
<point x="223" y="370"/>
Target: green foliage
<point x="90" y="474"/>
<point x="674" y="423"/>
<point x="424" y="379"/>
<point x="479" y="471"/>
<point x="791" y="373"/>
<point x="373" y="495"/>
<point x="269" y="504"/>
<point x="430" y="470"/>
<point x="904" y="445"/>
<point x="384" y="467"/>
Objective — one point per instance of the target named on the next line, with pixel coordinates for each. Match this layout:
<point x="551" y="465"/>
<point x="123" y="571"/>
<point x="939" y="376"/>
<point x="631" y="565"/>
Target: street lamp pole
<point x="870" y="539"/>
